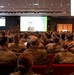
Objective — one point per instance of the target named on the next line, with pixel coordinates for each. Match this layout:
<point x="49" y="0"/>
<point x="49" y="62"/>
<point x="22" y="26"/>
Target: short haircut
<point x="65" y="45"/>
<point x="3" y="33"/>
<point x="63" y="36"/>
<point x="25" y="62"/>
<point x="16" y="36"/>
<point x="34" y="40"/>
<point x="3" y="40"/>
<point x="56" y="40"/>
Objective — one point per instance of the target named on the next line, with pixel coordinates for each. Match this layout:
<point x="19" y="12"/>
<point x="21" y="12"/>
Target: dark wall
<point x="61" y="20"/>
<point x="12" y="23"/>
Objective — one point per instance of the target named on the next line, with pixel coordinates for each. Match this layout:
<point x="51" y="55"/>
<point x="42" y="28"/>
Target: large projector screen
<point x="2" y="21"/>
<point x="72" y="7"/>
<point x="38" y="23"/>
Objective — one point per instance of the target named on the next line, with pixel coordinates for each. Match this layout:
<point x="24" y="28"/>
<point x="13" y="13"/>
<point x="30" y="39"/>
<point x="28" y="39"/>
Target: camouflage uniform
<point x="7" y="56"/>
<point x="64" y="57"/>
<point x="18" y="48"/>
<point x="39" y="56"/>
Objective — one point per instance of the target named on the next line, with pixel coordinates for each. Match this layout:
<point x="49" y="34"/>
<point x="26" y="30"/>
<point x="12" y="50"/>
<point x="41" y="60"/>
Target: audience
<point x="33" y="48"/>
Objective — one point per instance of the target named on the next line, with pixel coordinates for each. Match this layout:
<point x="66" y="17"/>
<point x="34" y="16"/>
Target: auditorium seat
<point x="39" y="69"/>
<point x="62" y="69"/>
<point x="6" y="69"/>
<point x="50" y="58"/>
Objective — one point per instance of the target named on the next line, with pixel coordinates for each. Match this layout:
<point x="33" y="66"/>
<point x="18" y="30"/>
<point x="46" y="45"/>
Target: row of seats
<point x="63" y="69"/>
<point x="6" y="69"/>
<point x="58" y="69"/>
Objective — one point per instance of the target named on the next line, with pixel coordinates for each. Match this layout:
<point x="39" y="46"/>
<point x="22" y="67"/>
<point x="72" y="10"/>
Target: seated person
<point x="6" y="55"/>
<point x="39" y="55"/>
<point x="49" y="47"/>
<point x="31" y="27"/>
<point x="64" y="56"/>
<point x="49" y="38"/>
<point x="53" y="46"/>
<point x="71" y="48"/>
<point x="17" y="46"/>
<point x="10" y="36"/>
<point x="57" y="46"/>
<point x="70" y="43"/>
<point x="25" y="63"/>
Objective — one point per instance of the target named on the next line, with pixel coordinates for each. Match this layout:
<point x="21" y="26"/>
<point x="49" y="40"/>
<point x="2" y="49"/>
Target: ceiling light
<point x="67" y="4"/>
<point x="58" y="14"/>
<point x="35" y="4"/>
<point x="29" y="4"/>
<point x="13" y="8"/>
<point x="61" y="3"/>
<point x="51" y="4"/>
<point x="1" y="6"/>
<point x="64" y="12"/>
<point x="63" y="8"/>
<point x="9" y="4"/>
<point x="49" y="8"/>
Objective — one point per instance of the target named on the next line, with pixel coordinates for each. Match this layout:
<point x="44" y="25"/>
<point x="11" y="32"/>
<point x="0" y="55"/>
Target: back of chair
<point x="63" y="69"/>
<point x="50" y="58"/>
<point x="6" y="69"/>
<point x="39" y="69"/>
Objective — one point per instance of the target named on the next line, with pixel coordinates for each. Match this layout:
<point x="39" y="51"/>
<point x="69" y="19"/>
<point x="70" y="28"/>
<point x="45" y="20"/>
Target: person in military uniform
<point x="39" y="56"/>
<point x="6" y="55"/>
<point x="64" y="56"/>
<point x="17" y="46"/>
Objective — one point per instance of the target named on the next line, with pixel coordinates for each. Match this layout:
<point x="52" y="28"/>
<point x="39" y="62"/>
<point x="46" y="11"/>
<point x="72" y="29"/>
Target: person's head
<point x="25" y="62"/>
<point x="34" y="42"/>
<point x="39" y="35"/>
<point x="49" y="36"/>
<point x="56" y="40"/>
<point x="65" y="45"/>
<point x="28" y="45"/>
<point x="31" y="23"/>
<point x="70" y="37"/>
<point x="63" y="36"/>
<point x="3" y="41"/>
<point x="3" y="34"/>
<point x="16" y="38"/>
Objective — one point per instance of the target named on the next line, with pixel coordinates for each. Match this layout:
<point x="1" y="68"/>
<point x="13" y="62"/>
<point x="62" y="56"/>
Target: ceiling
<point x="35" y="7"/>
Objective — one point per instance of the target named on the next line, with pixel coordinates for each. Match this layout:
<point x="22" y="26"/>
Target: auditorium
<point x="36" y="37"/>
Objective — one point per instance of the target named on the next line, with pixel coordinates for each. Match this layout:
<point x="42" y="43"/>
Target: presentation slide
<point x="2" y="21"/>
<point x="72" y="7"/>
<point x="33" y="24"/>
